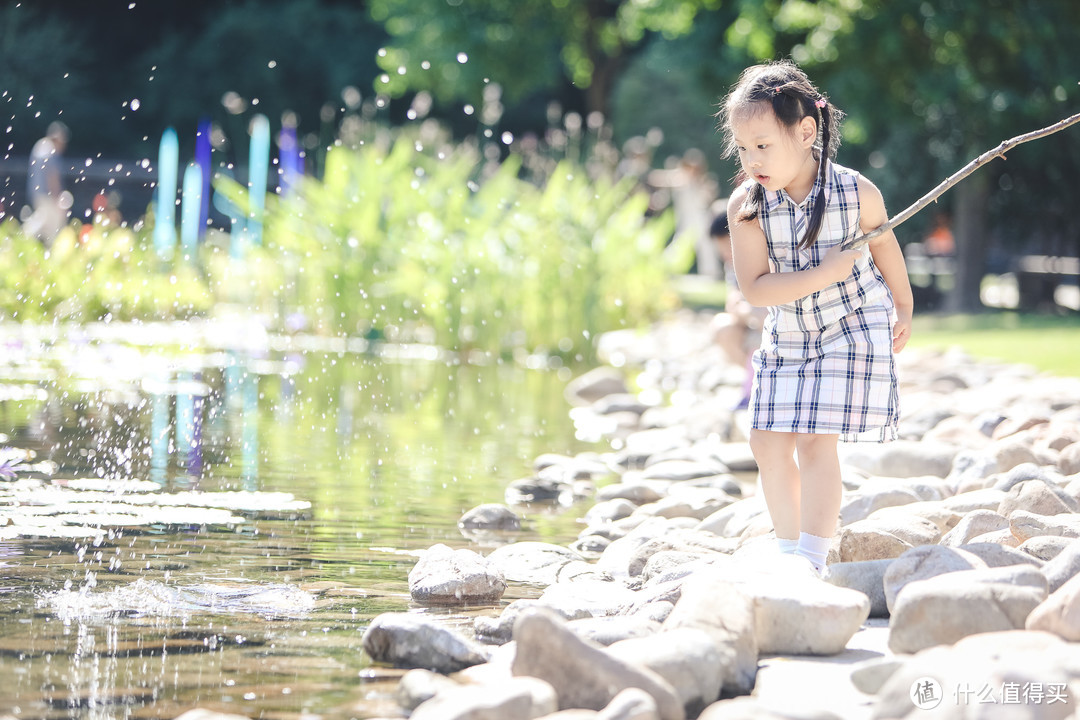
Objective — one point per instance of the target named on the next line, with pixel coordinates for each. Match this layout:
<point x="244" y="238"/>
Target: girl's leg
<point x="820" y="469"/>
<point x="775" y="455"/>
<point x="822" y="489"/>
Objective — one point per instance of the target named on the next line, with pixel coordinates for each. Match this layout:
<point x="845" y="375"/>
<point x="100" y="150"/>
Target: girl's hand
<point x="901" y="331"/>
<point x="837" y="263"/>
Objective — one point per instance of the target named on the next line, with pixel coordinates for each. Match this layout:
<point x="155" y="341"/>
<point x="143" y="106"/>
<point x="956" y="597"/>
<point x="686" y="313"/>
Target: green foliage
<point x="453" y="49"/>
<point x="408" y="243"/>
<point x="1006" y="337"/>
<point x="93" y="275"/>
<point x="396" y="241"/>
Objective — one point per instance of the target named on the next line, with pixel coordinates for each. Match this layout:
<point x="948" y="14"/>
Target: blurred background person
<point x="49" y="203"/>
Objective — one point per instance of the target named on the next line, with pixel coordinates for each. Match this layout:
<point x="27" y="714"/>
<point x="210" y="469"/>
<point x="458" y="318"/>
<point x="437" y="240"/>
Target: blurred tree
<point x="302" y="56"/>
<point x="40" y="71"/>
<point x="936" y="84"/>
<point x="454" y="48"/>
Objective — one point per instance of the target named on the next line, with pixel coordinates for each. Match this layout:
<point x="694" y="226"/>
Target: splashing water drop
<point x="507" y="138"/>
<point x="462" y="58"/>
<point x="469" y="109"/>
<point x="425" y="65"/>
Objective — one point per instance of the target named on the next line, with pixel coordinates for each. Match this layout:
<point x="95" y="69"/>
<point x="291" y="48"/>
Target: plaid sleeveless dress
<point x="826" y="363"/>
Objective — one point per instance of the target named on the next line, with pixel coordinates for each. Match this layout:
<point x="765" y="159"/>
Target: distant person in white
<point x="49" y="202"/>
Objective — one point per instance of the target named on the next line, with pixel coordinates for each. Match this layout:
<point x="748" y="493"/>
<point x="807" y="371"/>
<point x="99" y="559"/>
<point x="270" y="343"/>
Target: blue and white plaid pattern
<point x="826" y="362"/>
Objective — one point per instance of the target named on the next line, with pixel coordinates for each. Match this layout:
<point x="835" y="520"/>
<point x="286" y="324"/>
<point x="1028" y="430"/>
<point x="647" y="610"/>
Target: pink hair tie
<point x="820" y="103"/>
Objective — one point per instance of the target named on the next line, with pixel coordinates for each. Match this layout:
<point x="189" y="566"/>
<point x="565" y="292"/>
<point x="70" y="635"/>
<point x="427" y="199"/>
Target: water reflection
<point x="262" y="616"/>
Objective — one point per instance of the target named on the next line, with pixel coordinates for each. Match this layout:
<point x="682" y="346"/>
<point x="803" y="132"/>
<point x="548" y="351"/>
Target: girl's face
<point x="777" y="157"/>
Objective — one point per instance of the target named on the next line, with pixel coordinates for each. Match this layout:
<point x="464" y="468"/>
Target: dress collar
<point x="779" y="197"/>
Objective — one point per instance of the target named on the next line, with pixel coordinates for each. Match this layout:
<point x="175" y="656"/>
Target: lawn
<point x="1048" y="342"/>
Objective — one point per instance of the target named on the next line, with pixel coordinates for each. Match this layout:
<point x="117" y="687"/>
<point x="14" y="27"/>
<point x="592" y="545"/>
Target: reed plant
<point x="406" y="237"/>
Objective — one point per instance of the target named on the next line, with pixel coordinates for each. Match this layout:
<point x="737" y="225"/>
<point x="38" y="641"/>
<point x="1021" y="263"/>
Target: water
<point x="263" y="615"/>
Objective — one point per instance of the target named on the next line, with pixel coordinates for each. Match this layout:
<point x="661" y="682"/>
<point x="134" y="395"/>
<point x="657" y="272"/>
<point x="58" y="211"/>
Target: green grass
<point x="1049" y="343"/>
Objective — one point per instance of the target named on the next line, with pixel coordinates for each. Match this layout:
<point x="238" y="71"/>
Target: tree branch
<point x="933" y="195"/>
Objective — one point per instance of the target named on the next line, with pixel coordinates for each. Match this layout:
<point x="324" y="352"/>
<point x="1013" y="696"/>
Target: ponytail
<point x="813" y="227"/>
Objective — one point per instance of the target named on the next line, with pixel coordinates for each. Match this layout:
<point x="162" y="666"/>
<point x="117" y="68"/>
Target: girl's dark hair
<point x="791" y="95"/>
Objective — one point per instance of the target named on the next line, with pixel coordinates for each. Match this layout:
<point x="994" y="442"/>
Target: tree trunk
<point x="971" y="243"/>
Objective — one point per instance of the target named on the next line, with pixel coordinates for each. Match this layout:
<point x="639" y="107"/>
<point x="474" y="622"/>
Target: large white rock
<point x="925" y="562"/>
<point x="443" y="576"/>
<point x="942" y="609"/>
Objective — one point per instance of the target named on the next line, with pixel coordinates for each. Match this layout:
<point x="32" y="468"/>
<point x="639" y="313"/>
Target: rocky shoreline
<point x="951" y="588"/>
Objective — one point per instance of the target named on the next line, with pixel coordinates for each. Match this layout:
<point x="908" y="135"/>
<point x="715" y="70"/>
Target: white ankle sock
<point x="785" y="546"/>
<point x="814" y="548"/>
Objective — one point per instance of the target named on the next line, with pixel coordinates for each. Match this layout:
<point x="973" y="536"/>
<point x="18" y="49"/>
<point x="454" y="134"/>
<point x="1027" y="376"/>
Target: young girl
<point x="825" y="369"/>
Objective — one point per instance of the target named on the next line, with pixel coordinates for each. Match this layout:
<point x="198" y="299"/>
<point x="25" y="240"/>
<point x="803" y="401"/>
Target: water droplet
<point x="462" y="58"/>
<point x="135" y="104"/>
<point x="507" y="138"/>
<point x="272" y="64"/>
<point x="469" y="109"/>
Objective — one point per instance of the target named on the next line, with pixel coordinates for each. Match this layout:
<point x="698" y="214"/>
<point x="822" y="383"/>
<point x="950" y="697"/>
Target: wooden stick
<point x="933" y="195"/>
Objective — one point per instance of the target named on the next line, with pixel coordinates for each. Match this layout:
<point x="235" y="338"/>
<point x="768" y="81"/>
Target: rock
<point x="805" y="617"/>
<point x="925" y="562"/>
<point x="1063" y="566"/>
<point x="418" y="686"/>
<point x="619" y="403"/>
<point x="643" y="444"/>
<point x="709" y="603"/>
<point x="1026" y="525"/>
<point x="902" y="458"/>
<point x="609" y="510"/>
<point x="583" y="674"/>
<point x="690" y="660"/>
<point x="630" y="704"/>
<point x="193" y="714"/>
<point x="971" y="469"/>
<point x="692" y="541"/>
<point x="406" y="640"/>
<point x="638" y="493"/>
<point x="981" y="499"/>
<point x="532" y="562"/>
<point x="455" y="577"/>
<point x="682" y="470"/>
<point x="975" y="664"/>
<point x="998" y="537"/>
<point x="612" y="629"/>
<point x="997" y="555"/>
<point x="1060" y="612"/>
<point x="943" y="609"/>
<point x="859" y="505"/>
<point x="1037" y="497"/>
<point x="593" y="385"/>
<point x="500" y="630"/>
<point x="590" y="546"/>
<point x="665" y="561"/>
<point x="885" y="537"/>
<point x="1026" y="471"/>
<point x="1069" y="460"/>
<point x="742" y="708"/>
<point x="935" y="511"/>
<point x="697" y="508"/>
<point x="536" y="489"/>
<point x="490" y="516"/>
<point x="732" y="520"/>
<point x="869" y="676"/>
<point x="1010" y="453"/>
<point x="866" y="576"/>
<point x="1044" y="547"/>
<point x="518" y="698"/>
<point x="975" y="523"/>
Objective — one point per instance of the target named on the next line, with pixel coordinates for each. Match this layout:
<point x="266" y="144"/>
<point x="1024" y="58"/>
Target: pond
<point x="286" y="484"/>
